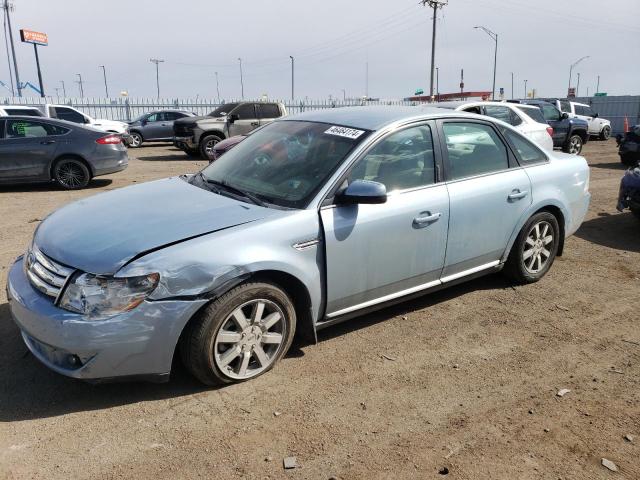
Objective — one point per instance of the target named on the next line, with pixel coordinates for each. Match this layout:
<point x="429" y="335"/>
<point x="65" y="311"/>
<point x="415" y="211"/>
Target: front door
<point x="560" y="125"/>
<point x="247" y="120"/>
<point x="378" y="252"/>
<point x="488" y="194"/>
<point x="27" y="149"/>
<point x="152" y="129"/>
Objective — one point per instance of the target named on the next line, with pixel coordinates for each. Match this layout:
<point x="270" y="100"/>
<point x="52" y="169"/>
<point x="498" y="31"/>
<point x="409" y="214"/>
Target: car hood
<point x="102" y="233"/>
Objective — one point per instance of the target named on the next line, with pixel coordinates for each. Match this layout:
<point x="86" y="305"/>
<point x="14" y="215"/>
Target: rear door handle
<point x="47" y="142"/>
<point x="427" y="219"/>
<point x="517" y="195"/>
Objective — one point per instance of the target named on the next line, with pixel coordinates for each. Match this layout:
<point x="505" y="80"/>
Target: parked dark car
<point x="569" y="134"/>
<point x="629" y="147"/>
<point x="155" y="126"/>
<point x="224" y="146"/>
<point x="43" y="150"/>
<point x="629" y="196"/>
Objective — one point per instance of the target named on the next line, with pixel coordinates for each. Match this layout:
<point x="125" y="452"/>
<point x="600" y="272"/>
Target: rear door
<point x="268" y="112"/>
<point x="247" y="119"/>
<point x="488" y="193"/>
<point x="28" y="148"/>
<point x="585" y="113"/>
<point x="378" y="252"/>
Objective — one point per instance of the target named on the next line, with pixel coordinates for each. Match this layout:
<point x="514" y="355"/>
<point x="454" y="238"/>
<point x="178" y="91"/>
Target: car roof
<point x="460" y="103"/>
<point x="53" y="121"/>
<point x="373" y="117"/>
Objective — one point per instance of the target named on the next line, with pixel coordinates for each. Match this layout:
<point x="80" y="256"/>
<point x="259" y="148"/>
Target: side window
<point x="528" y="153"/>
<point x="476" y="110"/>
<point x="269" y="110"/>
<point x="550" y="113"/>
<point x="587" y="111"/>
<point x="154" y="117"/>
<point x="27" y="129"/>
<point x="68" y="114"/>
<point x="402" y="160"/>
<point x="2" y="128"/>
<point x="579" y="110"/>
<point x="565" y="106"/>
<point x="501" y="113"/>
<point x="27" y="112"/>
<point x="246" y="111"/>
<point x="474" y="149"/>
<point x="171" y="116"/>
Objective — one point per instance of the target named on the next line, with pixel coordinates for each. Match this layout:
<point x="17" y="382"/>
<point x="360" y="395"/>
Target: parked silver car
<point x="155" y="126"/>
<point x="309" y="221"/>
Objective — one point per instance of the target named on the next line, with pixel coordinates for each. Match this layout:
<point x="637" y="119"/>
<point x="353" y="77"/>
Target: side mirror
<point x="232" y="117"/>
<point x="596" y="115"/>
<point x="87" y="121"/>
<point x="564" y="116"/>
<point x="143" y="122"/>
<point x="362" y="191"/>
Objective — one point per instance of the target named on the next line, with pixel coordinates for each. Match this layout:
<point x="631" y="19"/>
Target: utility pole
<point x="344" y="95"/>
<point x="525" y="89"/>
<point x="292" y="78"/>
<point x="571" y="70"/>
<point x="157" y="61"/>
<point x="57" y="92"/>
<point x="7" y="8"/>
<point x="512" y="97"/>
<point x="104" y="73"/>
<point x="241" y="80"/>
<point x="578" y="86"/>
<point x="217" y="87"/>
<point x="598" y="86"/>
<point x="494" y="37"/>
<point x="438" y="84"/>
<point x="64" y="91"/>
<point x="366" y="80"/>
<point x="434" y="4"/>
<point x="79" y="82"/>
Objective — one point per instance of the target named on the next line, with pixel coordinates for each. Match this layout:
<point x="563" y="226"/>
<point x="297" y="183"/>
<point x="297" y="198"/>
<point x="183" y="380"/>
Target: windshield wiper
<point x="235" y="190"/>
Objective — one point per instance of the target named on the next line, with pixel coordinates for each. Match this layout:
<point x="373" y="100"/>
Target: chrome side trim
<point x="411" y="290"/>
<point x="471" y="271"/>
<point x="306" y="244"/>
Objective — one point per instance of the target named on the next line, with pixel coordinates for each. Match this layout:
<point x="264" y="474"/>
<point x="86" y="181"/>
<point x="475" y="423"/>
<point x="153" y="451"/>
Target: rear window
<point x="550" y="112"/>
<point x="269" y="110"/>
<point x="534" y="113"/>
<point x="28" y="129"/>
<point x="27" y="112"/>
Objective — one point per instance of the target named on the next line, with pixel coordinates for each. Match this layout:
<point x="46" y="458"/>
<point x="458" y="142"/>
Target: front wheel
<point x="71" y="174"/>
<point x="136" y="140"/>
<point x="574" y="145"/>
<point x="239" y="336"/>
<point x="206" y="146"/>
<point x="605" y="133"/>
<point x="534" y="250"/>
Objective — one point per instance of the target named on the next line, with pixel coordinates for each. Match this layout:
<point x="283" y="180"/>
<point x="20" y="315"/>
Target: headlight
<point x="96" y="296"/>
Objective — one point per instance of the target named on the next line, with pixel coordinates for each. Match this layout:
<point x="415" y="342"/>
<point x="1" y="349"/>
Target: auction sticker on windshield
<point x="345" y="132"/>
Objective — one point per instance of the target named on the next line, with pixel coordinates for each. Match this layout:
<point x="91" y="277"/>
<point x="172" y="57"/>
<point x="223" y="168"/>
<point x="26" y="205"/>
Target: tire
<point x="605" y="133"/>
<point x="573" y="145"/>
<point x="230" y="341"/>
<point x="527" y="262"/>
<point x="71" y="174"/>
<point x="206" y="146"/>
<point x="136" y="139"/>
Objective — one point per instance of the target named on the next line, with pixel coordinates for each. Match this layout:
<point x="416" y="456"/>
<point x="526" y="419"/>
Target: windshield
<point x="223" y="110"/>
<point x="285" y="163"/>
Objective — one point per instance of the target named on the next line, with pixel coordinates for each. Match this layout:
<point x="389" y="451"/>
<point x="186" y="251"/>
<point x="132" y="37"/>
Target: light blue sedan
<point x="311" y="220"/>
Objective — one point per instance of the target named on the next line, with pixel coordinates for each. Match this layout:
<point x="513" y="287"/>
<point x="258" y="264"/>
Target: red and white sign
<point x="29" y="36"/>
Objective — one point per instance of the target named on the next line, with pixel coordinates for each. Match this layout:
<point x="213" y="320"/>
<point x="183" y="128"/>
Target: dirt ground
<point x="459" y="384"/>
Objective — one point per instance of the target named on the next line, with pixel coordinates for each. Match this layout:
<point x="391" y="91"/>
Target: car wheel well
<point x="69" y="156"/>
<point x="584" y="135"/>
<point x="556" y="212"/>
<point x="138" y="132"/>
<point x="217" y="133"/>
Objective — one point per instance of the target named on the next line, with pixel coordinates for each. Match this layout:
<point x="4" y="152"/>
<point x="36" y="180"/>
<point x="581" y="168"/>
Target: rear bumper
<point x="579" y="211"/>
<point x="139" y="343"/>
<point x="111" y="164"/>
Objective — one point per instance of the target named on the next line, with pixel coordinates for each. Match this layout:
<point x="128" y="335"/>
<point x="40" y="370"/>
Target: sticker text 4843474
<point x="344" y="132"/>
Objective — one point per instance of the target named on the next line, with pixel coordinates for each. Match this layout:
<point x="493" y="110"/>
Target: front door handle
<point x="427" y="219"/>
<point x="47" y="142"/>
<point x="517" y="194"/>
<point x="255" y="124"/>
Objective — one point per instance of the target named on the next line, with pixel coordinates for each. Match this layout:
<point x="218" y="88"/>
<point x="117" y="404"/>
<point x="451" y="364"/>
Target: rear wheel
<point x="574" y="145"/>
<point x="136" y="140"/>
<point x="239" y="336"/>
<point x="605" y="133"/>
<point x="71" y="174"/>
<point x="535" y="249"/>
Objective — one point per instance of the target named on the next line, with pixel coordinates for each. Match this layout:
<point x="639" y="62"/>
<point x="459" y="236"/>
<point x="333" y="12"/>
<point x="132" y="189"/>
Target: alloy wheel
<point x="136" y="140"/>
<point x="71" y="175"/>
<point x="575" y="145"/>
<point x="249" y="339"/>
<point x="538" y="247"/>
<point x="208" y="146"/>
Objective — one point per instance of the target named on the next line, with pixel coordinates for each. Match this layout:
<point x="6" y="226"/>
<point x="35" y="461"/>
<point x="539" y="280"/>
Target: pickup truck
<point x="569" y="134"/>
<point x="197" y="136"/>
<point x="65" y="112"/>
<point x="598" y="127"/>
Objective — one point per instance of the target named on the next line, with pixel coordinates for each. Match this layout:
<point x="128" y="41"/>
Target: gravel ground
<point x="459" y="384"/>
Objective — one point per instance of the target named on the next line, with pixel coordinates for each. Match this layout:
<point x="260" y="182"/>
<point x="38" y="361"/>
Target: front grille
<point x="183" y="130"/>
<point x="45" y="274"/>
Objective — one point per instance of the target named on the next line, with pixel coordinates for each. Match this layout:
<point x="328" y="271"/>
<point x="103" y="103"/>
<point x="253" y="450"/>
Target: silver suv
<point x="197" y="136"/>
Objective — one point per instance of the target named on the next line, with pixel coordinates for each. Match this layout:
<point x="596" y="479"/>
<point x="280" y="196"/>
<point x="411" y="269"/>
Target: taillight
<point x="550" y="131"/>
<point x="112" y="139"/>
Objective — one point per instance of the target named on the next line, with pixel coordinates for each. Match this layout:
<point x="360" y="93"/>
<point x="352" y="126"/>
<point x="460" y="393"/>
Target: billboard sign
<point x="37" y="38"/>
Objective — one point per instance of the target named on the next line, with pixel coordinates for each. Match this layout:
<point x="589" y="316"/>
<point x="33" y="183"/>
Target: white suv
<point x="598" y="127"/>
<point x="65" y="112"/>
<point x="527" y="119"/>
<point x="7" y="110"/>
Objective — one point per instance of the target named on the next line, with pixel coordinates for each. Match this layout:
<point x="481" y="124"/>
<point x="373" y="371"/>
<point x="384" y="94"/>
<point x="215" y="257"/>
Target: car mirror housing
<point x="596" y="115"/>
<point x="564" y="115"/>
<point x="233" y="117"/>
<point x="362" y="191"/>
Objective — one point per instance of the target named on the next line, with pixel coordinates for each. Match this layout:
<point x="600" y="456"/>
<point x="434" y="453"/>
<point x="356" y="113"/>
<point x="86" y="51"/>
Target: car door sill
<point x="403" y="295"/>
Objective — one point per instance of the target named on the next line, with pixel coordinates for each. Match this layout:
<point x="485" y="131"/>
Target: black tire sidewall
<point x="203" y="143"/>
<point x="59" y="163"/>
<point x="605" y="133"/>
<point x="201" y="338"/>
<point x="515" y="264"/>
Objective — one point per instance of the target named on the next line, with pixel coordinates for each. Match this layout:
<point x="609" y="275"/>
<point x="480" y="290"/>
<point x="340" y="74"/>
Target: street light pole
<point x="104" y="73"/>
<point x="571" y="70"/>
<point x="64" y="90"/>
<point x="598" y="86"/>
<point x="434" y="4"/>
<point x="525" y="89"/>
<point x="241" y="80"/>
<point x="578" y="86"/>
<point x="157" y="61"/>
<point x="292" y="77"/>
<point x="512" y="97"/>
<point x="7" y="7"/>
<point x="437" y="84"/>
<point x="494" y="36"/>
<point x="218" y="87"/>
<point x="80" y="85"/>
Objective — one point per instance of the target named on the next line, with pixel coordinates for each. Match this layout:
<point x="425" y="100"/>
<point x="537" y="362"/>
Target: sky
<point x="332" y="42"/>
